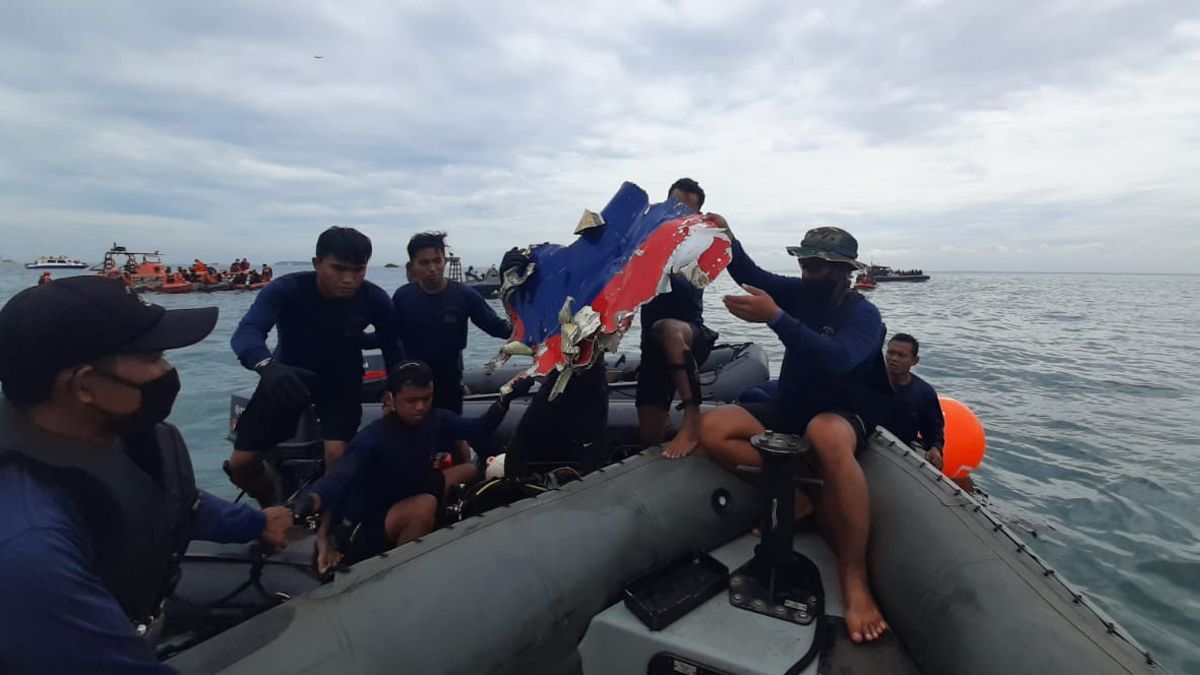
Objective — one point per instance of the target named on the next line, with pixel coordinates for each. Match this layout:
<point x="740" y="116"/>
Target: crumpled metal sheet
<point x="609" y="272"/>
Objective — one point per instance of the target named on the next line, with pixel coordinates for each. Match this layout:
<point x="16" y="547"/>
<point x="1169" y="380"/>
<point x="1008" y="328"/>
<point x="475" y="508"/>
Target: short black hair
<point x="423" y="240"/>
<point x="689" y="186"/>
<point x="410" y="373"/>
<point x="344" y="243"/>
<point x="905" y="337"/>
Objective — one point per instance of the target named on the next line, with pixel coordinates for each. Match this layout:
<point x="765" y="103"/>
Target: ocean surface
<point x="1088" y="385"/>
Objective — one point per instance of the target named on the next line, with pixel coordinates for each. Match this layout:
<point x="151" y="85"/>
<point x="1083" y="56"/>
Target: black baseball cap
<point x="47" y="328"/>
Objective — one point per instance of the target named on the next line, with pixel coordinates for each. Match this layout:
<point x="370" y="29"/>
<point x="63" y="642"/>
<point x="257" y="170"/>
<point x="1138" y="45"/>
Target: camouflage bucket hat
<point x="828" y="243"/>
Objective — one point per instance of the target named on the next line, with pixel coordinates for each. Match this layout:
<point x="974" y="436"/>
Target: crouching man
<point x="385" y="491"/>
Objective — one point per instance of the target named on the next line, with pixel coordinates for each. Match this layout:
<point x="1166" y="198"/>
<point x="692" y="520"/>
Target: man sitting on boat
<point x="674" y="343"/>
<point x="916" y="418"/>
<point x="385" y="491"/>
<point x="832" y="388"/>
<point x="319" y="317"/>
<point x="97" y="492"/>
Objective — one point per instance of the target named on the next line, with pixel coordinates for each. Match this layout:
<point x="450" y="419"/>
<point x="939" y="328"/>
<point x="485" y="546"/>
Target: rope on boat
<point x="970" y="503"/>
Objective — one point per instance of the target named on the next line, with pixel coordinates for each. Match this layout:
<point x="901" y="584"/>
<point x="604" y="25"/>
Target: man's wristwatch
<point x="265" y="362"/>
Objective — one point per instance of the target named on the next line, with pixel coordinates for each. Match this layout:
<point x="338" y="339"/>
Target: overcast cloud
<point x="1048" y="135"/>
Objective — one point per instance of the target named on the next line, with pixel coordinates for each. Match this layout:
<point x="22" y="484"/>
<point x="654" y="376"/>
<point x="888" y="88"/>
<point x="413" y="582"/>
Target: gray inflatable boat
<point x="537" y="587"/>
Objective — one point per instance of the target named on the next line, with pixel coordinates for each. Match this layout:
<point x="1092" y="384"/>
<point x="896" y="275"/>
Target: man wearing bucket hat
<point x="97" y="491"/>
<point x="833" y="388"/>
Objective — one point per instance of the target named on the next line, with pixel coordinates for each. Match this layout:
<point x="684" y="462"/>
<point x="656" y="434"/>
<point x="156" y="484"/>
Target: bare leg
<point x="846" y="504"/>
<point x="333" y="453"/>
<point x="652" y="425"/>
<point x="249" y="472"/>
<point x="410" y="518"/>
<point x="675" y="338"/>
<point x="726" y="432"/>
<point x="460" y="473"/>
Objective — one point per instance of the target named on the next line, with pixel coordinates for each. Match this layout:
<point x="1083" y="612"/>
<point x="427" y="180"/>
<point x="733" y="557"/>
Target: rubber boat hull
<point x="515" y="590"/>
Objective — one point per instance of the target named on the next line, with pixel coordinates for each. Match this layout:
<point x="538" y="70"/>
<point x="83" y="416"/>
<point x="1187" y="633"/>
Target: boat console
<point x="770" y="619"/>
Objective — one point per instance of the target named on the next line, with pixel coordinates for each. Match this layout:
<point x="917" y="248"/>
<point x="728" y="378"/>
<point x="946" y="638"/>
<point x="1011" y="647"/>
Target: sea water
<point x="1088" y="385"/>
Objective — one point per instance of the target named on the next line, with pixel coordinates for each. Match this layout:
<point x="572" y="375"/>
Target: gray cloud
<point x="945" y="135"/>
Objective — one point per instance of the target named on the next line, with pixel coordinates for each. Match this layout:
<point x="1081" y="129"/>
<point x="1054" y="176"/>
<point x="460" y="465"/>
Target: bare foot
<point x="328" y="556"/>
<point x="864" y="621"/>
<point x="684" y="444"/>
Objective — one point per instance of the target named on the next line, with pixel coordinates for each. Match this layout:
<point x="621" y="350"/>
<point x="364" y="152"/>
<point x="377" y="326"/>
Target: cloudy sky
<point x="1047" y="135"/>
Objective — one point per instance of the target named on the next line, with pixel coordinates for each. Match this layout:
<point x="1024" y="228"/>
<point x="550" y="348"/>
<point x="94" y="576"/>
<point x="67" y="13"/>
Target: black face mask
<point x="820" y="291"/>
<point x="158" y="397"/>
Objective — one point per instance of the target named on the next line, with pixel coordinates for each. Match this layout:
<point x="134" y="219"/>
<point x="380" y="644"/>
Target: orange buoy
<point x="966" y="441"/>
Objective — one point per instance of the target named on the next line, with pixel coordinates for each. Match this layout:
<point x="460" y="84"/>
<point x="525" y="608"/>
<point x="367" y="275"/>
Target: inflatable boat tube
<point x="515" y="590"/>
<point x="728" y="371"/>
<point x="510" y="591"/>
<point x="963" y="591"/>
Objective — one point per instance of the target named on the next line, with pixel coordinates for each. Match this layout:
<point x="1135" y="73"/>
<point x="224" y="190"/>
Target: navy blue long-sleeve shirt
<point x="56" y="615"/>
<point x="918" y="414"/>
<point x="388" y="461"/>
<point x="433" y="326"/>
<point x="807" y="351"/>
<point x="321" y="334"/>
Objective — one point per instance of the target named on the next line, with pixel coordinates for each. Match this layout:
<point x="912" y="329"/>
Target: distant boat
<point x="486" y="284"/>
<point x="55" y="262"/>
<point x="122" y="263"/>
<point x="391" y="265"/>
<point x="881" y="274"/>
<point x="864" y="283"/>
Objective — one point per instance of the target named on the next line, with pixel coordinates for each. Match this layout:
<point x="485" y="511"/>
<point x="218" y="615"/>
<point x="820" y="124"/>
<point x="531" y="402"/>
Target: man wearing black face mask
<point x="833" y="388"/>
<point x="97" y="493"/>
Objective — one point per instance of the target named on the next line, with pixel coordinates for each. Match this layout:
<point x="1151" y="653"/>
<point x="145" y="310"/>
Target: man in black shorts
<point x="833" y="388"/>
<point x="675" y="342"/>
<point x="386" y="491"/>
<point x="319" y="318"/>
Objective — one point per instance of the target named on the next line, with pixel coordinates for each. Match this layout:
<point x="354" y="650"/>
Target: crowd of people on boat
<point x="102" y="503"/>
<point x="239" y="273"/>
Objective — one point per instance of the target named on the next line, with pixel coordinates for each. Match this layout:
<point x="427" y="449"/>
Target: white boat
<point x="55" y="262"/>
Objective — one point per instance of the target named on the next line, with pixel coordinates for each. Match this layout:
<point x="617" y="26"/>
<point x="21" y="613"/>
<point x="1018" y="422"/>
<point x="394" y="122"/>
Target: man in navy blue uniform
<point x="674" y="343"/>
<point x="432" y="313"/>
<point x="319" y="318"/>
<point x="833" y="389"/>
<point x="385" y="491"/>
<point x="917" y="416"/>
<point x="97" y="492"/>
